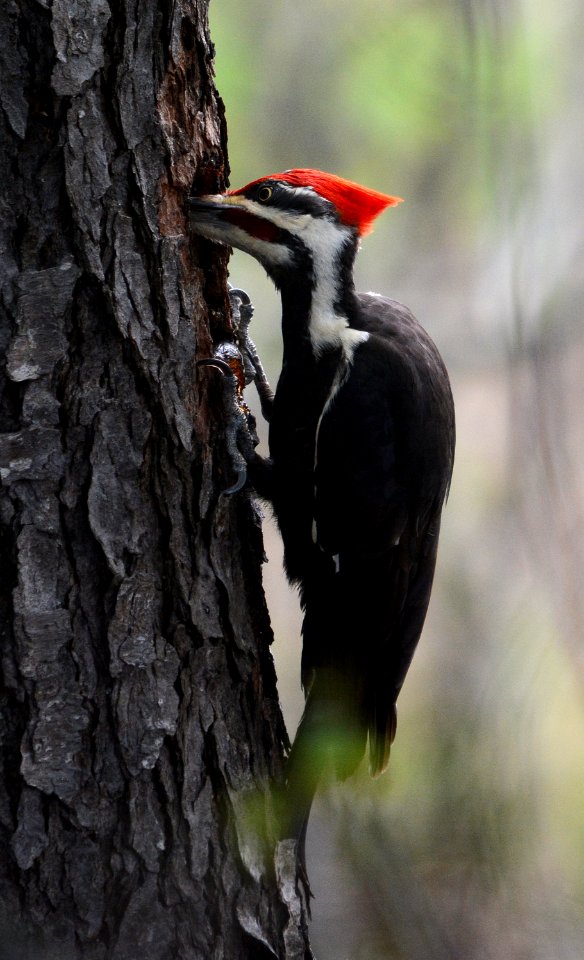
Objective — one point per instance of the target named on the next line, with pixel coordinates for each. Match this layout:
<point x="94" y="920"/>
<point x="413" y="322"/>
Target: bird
<point x="361" y="453"/>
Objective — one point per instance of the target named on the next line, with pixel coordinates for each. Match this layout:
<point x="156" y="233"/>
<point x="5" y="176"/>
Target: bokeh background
<point x="472" y="845"/>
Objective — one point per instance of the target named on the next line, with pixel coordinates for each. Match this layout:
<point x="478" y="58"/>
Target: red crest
<point x="357" y="206"/>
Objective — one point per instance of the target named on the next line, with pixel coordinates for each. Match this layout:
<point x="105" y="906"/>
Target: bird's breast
<point x="302" y="394"/>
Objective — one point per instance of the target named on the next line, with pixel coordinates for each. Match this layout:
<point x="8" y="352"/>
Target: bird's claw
<point x="241" y="314"/>
<point x="253" y="371"/>
<point x="240" y="365"/>
<point x="238" y="420"/>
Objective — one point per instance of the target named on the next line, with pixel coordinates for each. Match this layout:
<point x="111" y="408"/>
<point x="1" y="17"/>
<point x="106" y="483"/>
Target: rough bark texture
<point x="139" y="721"/>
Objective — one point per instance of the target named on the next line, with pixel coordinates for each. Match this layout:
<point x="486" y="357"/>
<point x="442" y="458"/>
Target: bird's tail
<point x="329" y="744"/>
<point x="382" y="729"/>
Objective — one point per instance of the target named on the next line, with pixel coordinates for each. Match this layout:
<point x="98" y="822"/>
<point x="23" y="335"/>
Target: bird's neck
<point x="318" y="302"/>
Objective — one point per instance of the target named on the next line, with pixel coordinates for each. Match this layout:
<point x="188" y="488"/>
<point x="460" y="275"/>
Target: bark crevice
<point x="139" y="721"/>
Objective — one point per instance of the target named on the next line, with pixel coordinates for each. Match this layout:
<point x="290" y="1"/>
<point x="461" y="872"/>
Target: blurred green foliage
<point x="389" y="93"/>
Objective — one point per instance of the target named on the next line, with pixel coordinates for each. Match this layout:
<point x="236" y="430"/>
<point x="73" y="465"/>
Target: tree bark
<point x="139" y="719"/>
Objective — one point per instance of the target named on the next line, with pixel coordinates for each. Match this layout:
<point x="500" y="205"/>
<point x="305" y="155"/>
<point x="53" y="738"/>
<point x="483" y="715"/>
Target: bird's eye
<point x="264" y="194"/>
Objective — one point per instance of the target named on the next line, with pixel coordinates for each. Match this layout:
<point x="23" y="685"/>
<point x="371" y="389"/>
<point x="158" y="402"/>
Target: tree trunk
<point x="139" y="719"/>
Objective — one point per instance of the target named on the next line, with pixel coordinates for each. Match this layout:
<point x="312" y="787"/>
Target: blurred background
<point x="472" y="845"/>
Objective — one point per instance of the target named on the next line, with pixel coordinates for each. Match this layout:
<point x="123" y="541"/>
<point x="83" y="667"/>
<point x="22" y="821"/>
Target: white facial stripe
<point x="295" y="222"/>
<point x="232" y="236"/>
<point x="325" y="241"/>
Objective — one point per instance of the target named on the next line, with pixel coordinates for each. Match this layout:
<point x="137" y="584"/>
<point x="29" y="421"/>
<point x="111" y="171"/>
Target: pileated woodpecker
<point x="361" y="454"/>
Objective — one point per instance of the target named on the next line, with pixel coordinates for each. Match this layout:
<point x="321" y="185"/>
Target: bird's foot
<point x="240" y="365"/>
<point x="239" y="429"/>
<point x="253" y="371"/>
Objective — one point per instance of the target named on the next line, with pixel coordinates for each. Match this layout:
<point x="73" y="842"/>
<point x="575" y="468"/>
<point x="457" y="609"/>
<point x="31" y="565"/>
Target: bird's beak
<point x="212" y="201"/>
<point x="208" y="211"/>
<point x="231" y="220"/>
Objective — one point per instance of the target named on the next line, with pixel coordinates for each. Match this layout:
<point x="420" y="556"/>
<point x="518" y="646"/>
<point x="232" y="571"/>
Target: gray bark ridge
<point x="139" y="720"/>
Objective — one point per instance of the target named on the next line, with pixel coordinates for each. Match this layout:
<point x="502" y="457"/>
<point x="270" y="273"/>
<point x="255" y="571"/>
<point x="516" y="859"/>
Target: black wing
<point x="383" y="463"/>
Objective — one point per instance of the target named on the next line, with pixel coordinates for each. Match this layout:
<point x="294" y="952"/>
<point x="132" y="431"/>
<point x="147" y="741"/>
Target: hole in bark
<point x="187" y="33"/>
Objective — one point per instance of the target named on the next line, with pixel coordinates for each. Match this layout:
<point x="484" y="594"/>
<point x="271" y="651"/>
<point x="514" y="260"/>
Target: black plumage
<point x="359" y="511"/>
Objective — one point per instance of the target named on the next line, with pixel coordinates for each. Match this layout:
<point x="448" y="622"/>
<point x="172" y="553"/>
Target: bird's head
<point x="281" y="218"/>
